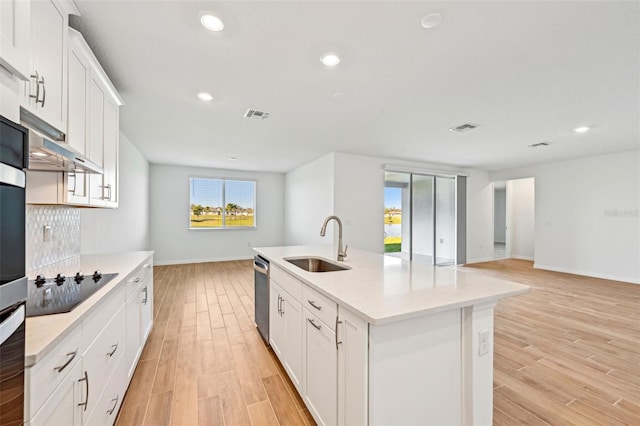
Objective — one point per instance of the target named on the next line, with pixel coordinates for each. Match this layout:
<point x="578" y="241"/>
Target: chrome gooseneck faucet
<point x="341" y="253"/>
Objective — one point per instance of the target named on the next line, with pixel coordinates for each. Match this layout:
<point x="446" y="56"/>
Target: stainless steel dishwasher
<point x="261" y="295"/>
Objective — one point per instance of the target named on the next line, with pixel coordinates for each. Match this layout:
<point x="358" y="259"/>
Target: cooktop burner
<point x="62" y="294"/>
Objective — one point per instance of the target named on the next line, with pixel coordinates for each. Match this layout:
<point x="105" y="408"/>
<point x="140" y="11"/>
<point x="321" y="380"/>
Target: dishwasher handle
<point x="260" y="266"/>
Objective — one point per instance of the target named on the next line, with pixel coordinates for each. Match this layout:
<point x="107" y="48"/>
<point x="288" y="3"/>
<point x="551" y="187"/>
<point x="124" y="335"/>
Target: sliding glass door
<point x="420" y="217"/>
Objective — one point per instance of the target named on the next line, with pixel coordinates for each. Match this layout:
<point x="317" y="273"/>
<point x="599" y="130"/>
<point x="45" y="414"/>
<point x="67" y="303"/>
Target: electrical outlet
<point x="46" y="233"/>
<point x="441" y="240"/>
<point x="483" y="342"/>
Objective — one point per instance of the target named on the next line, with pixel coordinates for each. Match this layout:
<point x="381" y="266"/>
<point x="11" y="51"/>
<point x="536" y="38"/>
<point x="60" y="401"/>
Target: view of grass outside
<point x="217" y="203"/>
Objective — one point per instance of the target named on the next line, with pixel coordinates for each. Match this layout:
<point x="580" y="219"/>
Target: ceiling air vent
<point x="536" y="145"/>
<point x="254" y="113"/>
<point x="463" y="128"/>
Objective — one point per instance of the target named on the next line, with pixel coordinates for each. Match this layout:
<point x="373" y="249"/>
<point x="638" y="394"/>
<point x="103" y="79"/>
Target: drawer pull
<point x="147" y="266"/>
<point x="86" y="380"/>
<point x="115" y="348"/>
<point x="312" y="322"/>
<point x="115" y="404"/>
<point x="135" y="280"/>
<point x="63" y="366"/>
<point x="146" y="295"/>
<point x="312" y="303"/>
<point x="337" y="342"/>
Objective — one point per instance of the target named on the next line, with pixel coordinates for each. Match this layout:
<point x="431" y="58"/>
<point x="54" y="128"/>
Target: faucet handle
<point x="344" y="252"/>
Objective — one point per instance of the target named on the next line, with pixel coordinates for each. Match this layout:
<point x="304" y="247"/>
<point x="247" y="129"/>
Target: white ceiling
<point x="525" y="71"/>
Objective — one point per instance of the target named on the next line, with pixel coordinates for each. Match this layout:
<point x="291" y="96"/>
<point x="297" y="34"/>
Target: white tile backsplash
<point x="63" y="242"/>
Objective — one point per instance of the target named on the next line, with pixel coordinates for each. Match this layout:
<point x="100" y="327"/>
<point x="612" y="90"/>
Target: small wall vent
<point x="463" y="128"/>
<point x="254" y="113"/>
<point x="539" y="144"/>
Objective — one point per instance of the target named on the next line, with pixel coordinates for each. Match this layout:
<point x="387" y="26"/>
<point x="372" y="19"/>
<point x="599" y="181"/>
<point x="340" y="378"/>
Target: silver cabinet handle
<point x="36" y="76"/>
<point x="135" y="280"/>
<point x="115" y="348"/>
<point x="146" y="295"/>
<point x="312" y="322"/>
<point x="147" y="266"/>
<point x="108" y="186"/>
<point x="312" y="303"/>
<point x="63" y="366"/>
<point x="75" y="180"/>
<point x="115" y="404"/>
<point x="337" y="342"/>
<point x="86" y="380"/>
<point x="282" y="308"/>
<point x="44" y="92"/>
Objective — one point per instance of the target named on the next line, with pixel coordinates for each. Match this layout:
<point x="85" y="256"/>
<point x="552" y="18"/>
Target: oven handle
<point x="11" y="324"/>
<point x="12" y="176"/>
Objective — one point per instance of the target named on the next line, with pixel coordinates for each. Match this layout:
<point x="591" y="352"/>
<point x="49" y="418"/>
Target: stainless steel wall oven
<point x="13" y="280"/>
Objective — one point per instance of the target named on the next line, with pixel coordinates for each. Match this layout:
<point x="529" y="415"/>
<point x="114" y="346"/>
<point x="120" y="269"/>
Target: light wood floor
<point x="204" y="362"/>
<point x="568" y="352"/>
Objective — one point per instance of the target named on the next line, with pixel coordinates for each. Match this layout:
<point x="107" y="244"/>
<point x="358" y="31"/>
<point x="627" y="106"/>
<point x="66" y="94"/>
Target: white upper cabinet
<point x="46" y="90"/>
<point x="15" y="37"/>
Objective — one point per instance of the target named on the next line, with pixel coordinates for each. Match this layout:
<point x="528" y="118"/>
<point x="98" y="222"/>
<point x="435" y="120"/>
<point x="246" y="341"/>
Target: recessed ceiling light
<point x="205" y="96"/>
<point x="330" y="59"/>
<point x="432" y="20"/>
<point x="581" y="129"/>
<point x="211" y="22"/>
<point x="40" y="154"/>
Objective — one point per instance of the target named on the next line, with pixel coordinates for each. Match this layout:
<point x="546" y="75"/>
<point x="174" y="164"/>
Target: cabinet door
<point x="353" y="356"/>
<point x="49" y="58"/>
<point x="133" y="332"/>
<point x="110" y="152"/>
<point x="15" y="37"/>
<point x="77" y="102"/>
<point x="293" y="339"/>
<point x="276" y="322"/>
<point x="320" y="370"/>
<point x="62" y="407"/>
<point x="95" y="147"/>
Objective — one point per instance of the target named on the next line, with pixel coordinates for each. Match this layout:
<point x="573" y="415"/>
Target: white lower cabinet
<point x="320" y="362"/>
<point x="324" y="349"/>
<point x="285" y="332"/>
<point x="62" y="407"/>
<point x="84" y="378"/>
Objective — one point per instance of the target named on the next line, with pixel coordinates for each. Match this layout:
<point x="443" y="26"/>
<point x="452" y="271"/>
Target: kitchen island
<point x="386" y="341"/>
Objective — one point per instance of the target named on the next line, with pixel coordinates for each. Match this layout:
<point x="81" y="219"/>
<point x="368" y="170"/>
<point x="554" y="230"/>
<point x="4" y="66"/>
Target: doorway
<point x="514" y="219"/>
<point x="420" y="217"/>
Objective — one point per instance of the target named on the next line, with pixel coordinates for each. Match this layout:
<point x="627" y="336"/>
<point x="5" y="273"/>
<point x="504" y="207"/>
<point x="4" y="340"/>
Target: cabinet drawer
<point x="108" y="403"/>
<point x="102" y="314"/>
<point x="104" y="354"/>
<point x="321" y="306"/>
<point x="290" y="284"/>
<point x="42" y="378"/>
<point x="140" y="274"/>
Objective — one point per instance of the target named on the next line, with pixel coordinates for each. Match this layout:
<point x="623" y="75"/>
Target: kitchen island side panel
<point x="415" y="371"/>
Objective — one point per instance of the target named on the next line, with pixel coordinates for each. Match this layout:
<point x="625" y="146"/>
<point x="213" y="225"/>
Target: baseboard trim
<point x="205" y="260"/>
<point x="587" y="273"/>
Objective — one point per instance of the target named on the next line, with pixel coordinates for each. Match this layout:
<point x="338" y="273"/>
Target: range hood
<point x="48" y="151"/>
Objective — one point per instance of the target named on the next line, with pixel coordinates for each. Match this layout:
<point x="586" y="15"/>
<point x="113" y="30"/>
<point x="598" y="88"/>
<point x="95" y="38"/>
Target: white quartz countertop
<point x="43" y="332"/>
<point x="383" y="289"/>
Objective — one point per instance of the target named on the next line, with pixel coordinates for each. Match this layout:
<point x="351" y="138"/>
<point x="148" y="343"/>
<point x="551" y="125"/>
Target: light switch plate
<point x="46" y="233"/>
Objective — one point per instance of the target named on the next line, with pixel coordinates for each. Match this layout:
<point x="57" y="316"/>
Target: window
<point x="219" y="203"/>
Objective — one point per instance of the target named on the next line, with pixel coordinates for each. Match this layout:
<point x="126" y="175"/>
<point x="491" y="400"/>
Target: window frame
<point x="224" y="203"/>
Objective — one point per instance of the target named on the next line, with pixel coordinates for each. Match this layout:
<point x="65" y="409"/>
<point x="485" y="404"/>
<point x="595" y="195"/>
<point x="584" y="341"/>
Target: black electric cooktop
<point x="62" y="294"/>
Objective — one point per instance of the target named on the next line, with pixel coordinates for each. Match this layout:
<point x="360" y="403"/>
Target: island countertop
<point x="383" y="289"/>
<point x="43" y="332"/>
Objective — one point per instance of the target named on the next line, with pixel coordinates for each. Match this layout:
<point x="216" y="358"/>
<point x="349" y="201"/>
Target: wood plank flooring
<point x="568" y="352"/>
<point x="204" y="362"/>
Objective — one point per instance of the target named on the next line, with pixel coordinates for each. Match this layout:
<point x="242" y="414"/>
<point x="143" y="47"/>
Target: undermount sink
<point x="316" y="264"/>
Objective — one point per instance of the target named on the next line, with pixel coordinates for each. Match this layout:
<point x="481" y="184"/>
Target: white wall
<point x="171" y="237"/>
<point x="308" y="200"/>
<point x="357" y="184"/>
<point x="586" y="215"/>
<point x="499" y="215"/>
<point x="127" y="227"/>
<point x="521" y="218"/>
